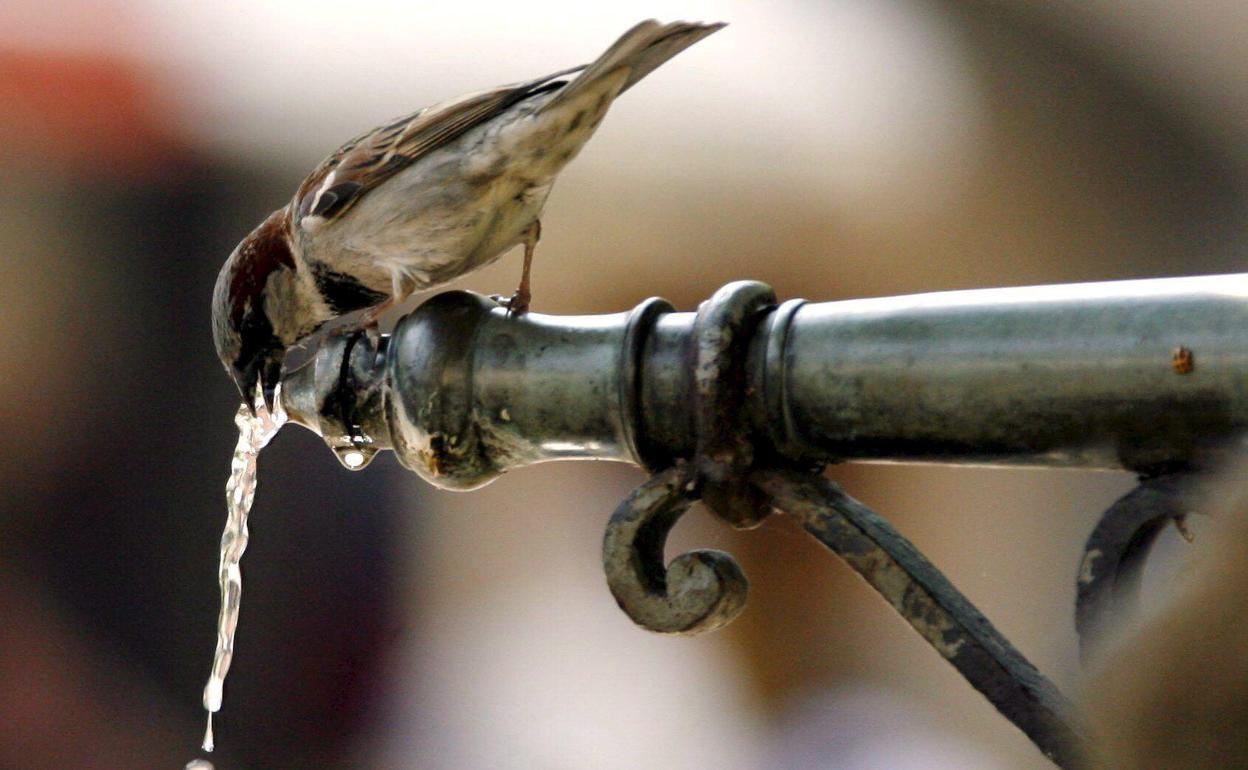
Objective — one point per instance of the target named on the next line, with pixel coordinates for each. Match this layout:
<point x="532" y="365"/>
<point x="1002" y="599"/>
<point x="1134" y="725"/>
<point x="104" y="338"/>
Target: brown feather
<point x="640" y="50"/>
<point x="372" y="158"/>
<point x="266" y="249"/>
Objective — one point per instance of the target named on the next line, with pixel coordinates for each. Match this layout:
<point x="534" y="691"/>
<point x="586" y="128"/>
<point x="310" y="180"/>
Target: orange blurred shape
<point x="86" y="114"/>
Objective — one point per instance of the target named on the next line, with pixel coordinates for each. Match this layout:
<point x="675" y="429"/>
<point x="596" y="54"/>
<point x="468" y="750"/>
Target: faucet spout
<point x="337" y="395"/>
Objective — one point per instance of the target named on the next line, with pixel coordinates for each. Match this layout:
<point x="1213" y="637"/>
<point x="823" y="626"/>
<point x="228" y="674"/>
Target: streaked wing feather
<point x="370" y="159"/>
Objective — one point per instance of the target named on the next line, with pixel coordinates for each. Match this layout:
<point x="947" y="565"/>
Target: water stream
<point x="254" y="432"/>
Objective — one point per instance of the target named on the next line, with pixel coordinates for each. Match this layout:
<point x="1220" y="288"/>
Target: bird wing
<point x="371" y="158"/>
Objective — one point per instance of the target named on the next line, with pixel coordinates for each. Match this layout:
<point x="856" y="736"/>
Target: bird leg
<point x="368" y="322"/>
<point x="518" y="303"/>
<point x="369" y="319"/>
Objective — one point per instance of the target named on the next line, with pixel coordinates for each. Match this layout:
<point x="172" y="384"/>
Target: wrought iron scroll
<point x="699" y="591"/>
<point x="703" y="590"/>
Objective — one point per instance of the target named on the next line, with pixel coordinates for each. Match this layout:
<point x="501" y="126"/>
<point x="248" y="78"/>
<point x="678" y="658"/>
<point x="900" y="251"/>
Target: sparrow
<point x="418" y="202"/>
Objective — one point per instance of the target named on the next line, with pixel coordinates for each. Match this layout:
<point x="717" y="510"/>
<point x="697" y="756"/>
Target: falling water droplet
<point x="209" y="744"/>
<point x="355" y="457"/>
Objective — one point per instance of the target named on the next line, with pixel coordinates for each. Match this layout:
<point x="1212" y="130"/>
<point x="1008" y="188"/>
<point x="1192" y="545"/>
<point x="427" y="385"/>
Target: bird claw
<point x="516" y="304"/>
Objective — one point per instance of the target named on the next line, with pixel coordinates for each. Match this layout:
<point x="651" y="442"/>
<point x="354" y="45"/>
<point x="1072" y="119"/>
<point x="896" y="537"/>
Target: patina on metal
<point x="743" y="402"/>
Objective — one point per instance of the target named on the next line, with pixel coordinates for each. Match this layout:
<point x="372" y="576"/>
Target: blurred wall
<point x="833" y="150"/>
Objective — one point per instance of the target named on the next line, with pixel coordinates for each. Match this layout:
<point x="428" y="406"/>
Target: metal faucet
<point x="741" y="402"/>
<point x="1135" y="375"/>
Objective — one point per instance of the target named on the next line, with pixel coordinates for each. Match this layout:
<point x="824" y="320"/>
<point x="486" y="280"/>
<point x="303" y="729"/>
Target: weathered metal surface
<point x="699" y="591"/>
<point x="1076" y="376"/>
<point x="1110" y="572"/>
<point x="934" y="608"/>
<point x="725" y="450"/>
<point x="474" y="390"/>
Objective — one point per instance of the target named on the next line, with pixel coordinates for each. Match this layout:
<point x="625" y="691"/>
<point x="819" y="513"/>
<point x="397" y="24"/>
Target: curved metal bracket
<point x="704" y="590"/>
<point x="1112" y="567"/>
<point x="699" y="591"/>
<point x="934" y="608"/>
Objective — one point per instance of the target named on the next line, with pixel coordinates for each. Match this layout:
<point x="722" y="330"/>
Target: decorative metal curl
<point x="699" y="591"/>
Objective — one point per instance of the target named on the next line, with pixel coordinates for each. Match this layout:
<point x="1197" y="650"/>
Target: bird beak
<point x="260" y="373"/>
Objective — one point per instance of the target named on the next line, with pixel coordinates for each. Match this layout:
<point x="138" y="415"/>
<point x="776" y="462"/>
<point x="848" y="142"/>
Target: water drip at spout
<point x="355" y="457"/>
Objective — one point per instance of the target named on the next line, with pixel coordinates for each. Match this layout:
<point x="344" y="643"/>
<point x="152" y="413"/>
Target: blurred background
<point x="833" y="149"/>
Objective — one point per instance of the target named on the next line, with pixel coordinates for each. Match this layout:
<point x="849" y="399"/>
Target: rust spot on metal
<point x="1183" y="361"/>
<point x="433" y="456"/>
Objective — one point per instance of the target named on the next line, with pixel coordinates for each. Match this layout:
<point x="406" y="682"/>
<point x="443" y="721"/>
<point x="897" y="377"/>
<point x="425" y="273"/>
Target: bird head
<point x="253" y="319"/>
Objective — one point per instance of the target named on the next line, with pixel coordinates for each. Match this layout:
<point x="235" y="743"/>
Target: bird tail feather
<point x="641" y="50"/>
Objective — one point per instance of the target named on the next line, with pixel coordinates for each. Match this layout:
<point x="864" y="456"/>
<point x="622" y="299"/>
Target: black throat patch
<point x="344" y="293"/>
